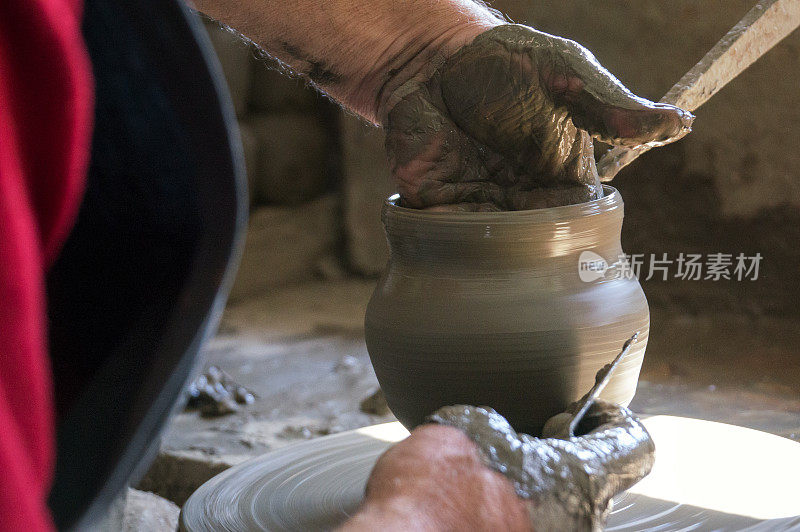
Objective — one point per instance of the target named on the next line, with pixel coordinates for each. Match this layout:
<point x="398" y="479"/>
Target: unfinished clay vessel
<point x="493" y="309"/>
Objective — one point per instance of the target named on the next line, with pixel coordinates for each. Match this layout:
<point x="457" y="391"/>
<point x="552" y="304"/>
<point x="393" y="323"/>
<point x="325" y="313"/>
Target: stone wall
<point x="731" y="186"/>
<point x="367" y="182"/>
<point x="291" y="146"/>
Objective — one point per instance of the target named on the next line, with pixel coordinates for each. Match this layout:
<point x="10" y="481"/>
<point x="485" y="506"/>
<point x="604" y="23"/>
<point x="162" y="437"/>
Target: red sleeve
<point x="45" y="129"/>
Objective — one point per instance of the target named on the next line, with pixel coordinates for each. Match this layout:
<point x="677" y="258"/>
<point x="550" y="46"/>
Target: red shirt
<point x="45" y="130"/>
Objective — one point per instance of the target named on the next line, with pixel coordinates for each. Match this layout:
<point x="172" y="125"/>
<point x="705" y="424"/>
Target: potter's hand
<point x="567" y="483"/>
<point x="448" y="476"/>
<point x="506" y="122"/>
<point x="480" y="115"/>
<point x="435" y="480"/>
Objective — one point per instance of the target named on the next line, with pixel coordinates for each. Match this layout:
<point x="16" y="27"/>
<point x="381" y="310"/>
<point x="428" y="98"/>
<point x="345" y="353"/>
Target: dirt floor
<point x="301" y="351"/>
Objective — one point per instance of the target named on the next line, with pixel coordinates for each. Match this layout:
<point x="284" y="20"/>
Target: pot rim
<point x="611" y="201"/>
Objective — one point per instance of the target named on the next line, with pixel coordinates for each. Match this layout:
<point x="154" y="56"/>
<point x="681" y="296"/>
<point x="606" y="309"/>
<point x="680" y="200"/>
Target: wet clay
<point x="506" y="123"/>
<point x="214" y="393"/>
<point x="489" y="308"/>
<point x="568" y="482"/>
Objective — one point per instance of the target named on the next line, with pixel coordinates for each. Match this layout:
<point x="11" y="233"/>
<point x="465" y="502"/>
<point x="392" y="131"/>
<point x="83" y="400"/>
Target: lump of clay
<point x="214" y="394"/>
<point x="568" y="483"/>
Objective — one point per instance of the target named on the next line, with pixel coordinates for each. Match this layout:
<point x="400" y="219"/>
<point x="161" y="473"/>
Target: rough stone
<point x="175" y="475"/>
<point x="745" y="136"/>
<point x="303" y="311"/>
<point x="274" y="91"/>
<point x="235" y="56"/>
<point x="284" y="244"/>
<point x="367" y="183"/>
<point x="140" y="511"/>
<point x="293" y="158"/>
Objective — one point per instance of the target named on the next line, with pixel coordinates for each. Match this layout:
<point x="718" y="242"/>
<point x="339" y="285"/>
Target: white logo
<point x="591" y="266"/>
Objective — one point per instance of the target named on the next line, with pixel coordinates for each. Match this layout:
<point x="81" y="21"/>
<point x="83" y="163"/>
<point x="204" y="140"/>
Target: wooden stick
<point x="601" y="380"/>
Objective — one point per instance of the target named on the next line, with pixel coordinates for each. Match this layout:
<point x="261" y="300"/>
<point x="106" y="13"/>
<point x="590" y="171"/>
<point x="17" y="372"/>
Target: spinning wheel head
<point x="707" y="475"/>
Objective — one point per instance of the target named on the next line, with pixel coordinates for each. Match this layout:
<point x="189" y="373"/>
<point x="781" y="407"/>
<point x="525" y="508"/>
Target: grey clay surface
<point x="488" y="308"/>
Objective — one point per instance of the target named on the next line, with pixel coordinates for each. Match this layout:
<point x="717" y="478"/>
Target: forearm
<point x="356" y="51"/>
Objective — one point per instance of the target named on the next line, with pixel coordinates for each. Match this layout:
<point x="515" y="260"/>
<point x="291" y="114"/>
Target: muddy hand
<point x="567" y="483"/>
<point x="506" y="123"/>
<point x="434" y="480"/>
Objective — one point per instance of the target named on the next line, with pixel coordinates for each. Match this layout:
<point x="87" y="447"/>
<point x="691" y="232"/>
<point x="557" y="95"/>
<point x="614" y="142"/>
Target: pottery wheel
<point x="708" y="476"/>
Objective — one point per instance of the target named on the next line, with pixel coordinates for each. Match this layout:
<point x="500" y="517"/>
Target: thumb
<point x="600" y="104"/>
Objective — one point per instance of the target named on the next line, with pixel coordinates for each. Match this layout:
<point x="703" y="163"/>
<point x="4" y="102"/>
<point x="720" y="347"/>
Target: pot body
<point x="492" y="309"/>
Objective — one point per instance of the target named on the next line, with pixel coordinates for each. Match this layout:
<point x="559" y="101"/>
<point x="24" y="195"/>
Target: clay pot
<point x="490" y="309"/>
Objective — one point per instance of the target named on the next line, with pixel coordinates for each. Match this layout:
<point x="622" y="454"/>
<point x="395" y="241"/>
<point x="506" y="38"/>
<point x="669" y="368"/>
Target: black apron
<point x="142" y="279"/>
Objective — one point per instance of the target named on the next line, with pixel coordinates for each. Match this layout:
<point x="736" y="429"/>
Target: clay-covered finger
<point x="599" y="103"/>
<point x="634" y="122"/>
<point x="492" y="91"/>
<point x="465" y="207"/>
<point x="568" y="483"/>
<point x="542" y="198"/>
<point x="417" y="142"/>
<point x="435" y="165"/>
<point x="507" y="83"/>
